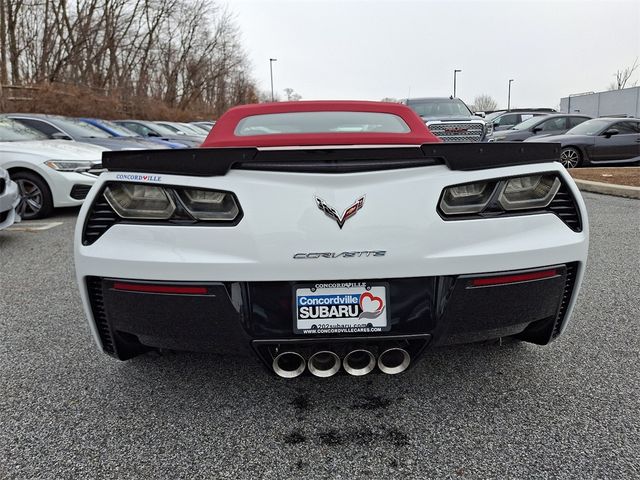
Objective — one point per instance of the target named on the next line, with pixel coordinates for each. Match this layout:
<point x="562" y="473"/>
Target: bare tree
<point x="184" y="54"/>
<point x="4" y="74"/>
<point x="11" y="15"/>
<point x="623" y="76"/>
<point x="264" y="96"/>
<point x="292" y="96"/>
<point x="484" y="103"/>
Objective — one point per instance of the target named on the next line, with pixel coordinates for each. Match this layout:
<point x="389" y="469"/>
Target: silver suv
<point x="450" y="119"/>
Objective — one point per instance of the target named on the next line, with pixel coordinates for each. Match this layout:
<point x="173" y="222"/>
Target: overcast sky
<point x="347" y="49"/>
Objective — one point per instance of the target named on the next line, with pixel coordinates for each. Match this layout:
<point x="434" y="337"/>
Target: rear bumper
<point x="232" y="317"/>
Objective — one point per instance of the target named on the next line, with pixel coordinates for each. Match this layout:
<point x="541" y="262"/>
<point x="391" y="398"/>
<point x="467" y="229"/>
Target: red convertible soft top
<point x="224" y="132"/>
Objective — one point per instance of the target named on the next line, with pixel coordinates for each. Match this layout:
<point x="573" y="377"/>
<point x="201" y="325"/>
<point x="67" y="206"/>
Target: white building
<point x="601" y="104"/>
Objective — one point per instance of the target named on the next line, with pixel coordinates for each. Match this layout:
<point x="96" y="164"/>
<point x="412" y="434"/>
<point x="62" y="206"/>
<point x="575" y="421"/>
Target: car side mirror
<point x="153" y="134"/>
<point x="536" y="130"/>
<point x="496" y="124"/>
<point x="480" y="114"/>
<point x="612" y="131"/>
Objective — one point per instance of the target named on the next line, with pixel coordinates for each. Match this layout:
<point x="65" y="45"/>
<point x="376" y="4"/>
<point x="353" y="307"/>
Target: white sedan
<point x="48" y="173"/>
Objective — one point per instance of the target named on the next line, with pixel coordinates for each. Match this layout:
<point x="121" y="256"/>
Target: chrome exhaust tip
<point x="394" y="360"/>
<point x="324" y="364"/>
<point x="359" y="362"/>
<point x="288" y="365"/>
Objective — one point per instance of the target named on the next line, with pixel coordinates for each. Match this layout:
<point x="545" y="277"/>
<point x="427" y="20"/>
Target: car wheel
<point x="570" y="157"/>
<point x="35" y="196"/>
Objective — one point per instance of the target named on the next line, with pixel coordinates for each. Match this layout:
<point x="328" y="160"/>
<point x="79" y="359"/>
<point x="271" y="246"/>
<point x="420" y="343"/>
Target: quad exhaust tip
<point x="394" y="360"/>
<point x="324" y="364"/>
<point x="359" y="362"/>
<point x="289" y="365"/>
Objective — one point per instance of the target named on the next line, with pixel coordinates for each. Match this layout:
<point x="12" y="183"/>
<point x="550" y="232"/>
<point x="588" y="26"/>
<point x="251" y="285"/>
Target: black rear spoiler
<point x="209" y="162"/>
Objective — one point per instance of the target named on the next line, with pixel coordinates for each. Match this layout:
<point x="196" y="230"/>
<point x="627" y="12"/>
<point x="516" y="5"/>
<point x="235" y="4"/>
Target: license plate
<point x="325" y="308"/>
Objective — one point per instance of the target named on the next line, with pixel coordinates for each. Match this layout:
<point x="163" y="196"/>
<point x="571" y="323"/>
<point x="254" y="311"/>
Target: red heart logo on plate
<point x="144" y="177"/>
<point x="368" y="302"/>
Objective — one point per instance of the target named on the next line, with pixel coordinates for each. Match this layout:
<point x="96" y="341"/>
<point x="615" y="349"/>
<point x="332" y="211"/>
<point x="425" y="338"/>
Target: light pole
<point x="271" y="60"/>
<point x="509" y="97"/>
<point x="455" y="72"/>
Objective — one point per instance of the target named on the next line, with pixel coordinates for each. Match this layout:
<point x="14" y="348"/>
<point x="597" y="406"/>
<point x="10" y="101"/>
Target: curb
<point x="608" y="189"/>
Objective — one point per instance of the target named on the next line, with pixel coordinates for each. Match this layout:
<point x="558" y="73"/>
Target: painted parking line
<point x="33" y="226"/>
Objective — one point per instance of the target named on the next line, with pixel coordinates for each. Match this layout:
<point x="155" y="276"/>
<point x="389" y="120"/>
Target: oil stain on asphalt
<point x="357" y="436"/>
<point x="389" y="436"/>
<point x="294" y="438"/>
<point x="371" y="403"/>
<point x="301" y="403"/>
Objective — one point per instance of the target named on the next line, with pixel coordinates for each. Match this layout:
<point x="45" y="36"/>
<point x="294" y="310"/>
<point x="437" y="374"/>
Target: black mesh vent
<point x="79" y="192"/>
<point x="96" y="299"/>
<point x="572" y="270"/>
<point x="100" y="218"/>
<point x="564" y="206"/>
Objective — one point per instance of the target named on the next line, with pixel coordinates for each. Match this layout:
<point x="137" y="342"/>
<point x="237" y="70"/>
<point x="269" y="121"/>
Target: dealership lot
<point x="474" y="411"/>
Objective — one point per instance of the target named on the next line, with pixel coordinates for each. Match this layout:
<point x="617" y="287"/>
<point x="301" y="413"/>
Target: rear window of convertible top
<point x="320" y="122"/>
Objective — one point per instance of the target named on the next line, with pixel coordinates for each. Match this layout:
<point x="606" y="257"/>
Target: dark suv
<point x="505" y="119"/>
<point x="449" y="118"/>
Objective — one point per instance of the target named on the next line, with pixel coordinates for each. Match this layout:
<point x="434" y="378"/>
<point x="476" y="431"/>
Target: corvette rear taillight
<point x="208" y="205"/>
<point x="153" y="204"/>
<point x="140" y="202"/>
<point x="133" y="201"/>
<point x="509" y="196"/>
<point x="532" y="191"/>
<point x="467" y="198"/>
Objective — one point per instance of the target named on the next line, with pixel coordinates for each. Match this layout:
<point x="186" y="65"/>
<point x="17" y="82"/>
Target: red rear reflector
<point x="521" y="277"/>
<point x="137" y="287"/>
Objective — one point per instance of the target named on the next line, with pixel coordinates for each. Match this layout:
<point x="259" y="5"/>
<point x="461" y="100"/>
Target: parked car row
<point x="583" y="140"/>
<point x="540" y="125"/>
<point x="505" y="119"/>
<point x="599" y="141"/>
<point x="117" y="135"/>
<point x="118" y="131"/>
<point x="148" y="129"/>
<point x="52" y="161"/>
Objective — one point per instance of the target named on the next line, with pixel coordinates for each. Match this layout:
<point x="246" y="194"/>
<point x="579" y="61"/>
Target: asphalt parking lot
<point x="569" y="410"/>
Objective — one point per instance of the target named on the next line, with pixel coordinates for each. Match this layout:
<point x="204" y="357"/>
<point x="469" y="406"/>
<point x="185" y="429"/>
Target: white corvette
<point x="328" y="237"/>
<point x="49" y="173"/>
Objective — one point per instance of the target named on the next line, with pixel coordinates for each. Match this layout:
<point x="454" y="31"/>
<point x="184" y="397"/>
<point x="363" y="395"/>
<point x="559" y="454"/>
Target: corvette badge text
<point x="364" y="253"/>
